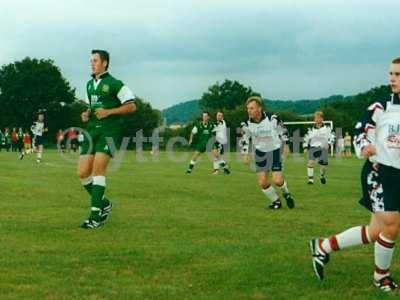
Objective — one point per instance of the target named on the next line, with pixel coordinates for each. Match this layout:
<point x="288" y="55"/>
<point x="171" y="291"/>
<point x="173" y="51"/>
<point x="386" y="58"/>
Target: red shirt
<point x="27" y="139"/>
<point x="72" y="134"/>
<point x="14" y="136"/>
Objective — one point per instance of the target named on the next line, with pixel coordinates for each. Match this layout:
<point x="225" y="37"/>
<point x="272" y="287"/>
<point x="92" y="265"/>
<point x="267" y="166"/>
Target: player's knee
<point x="83" y="174"/>
<point x="277" y="180"/>
<point x="263" y="183"/>
<point x="391" y="230"/>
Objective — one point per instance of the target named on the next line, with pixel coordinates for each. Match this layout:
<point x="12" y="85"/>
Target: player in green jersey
<point x="108" y="98"/>
<point x="201" y="133"/>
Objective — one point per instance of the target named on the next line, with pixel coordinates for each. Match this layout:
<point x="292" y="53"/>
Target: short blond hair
<point x="255" y="99"/>
<point x="319" y="114"/>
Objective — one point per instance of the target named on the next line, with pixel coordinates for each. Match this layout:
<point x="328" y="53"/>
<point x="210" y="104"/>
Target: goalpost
<point x="330" y="123"/>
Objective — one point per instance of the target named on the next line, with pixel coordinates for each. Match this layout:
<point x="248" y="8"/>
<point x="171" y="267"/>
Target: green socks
<point x="95" y="186"/>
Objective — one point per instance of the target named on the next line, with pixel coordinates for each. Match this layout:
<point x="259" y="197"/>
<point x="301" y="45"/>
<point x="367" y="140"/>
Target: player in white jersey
<point x="378" y="140"/>
<point x="318" y="138"/>
<point x="38" y="129"/>
<point x="262" y="127"/>
<point x="221" y="141"/>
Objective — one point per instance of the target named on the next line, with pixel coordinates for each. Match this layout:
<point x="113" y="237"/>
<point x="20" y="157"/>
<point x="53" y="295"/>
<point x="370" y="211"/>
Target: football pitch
<point x="177" y="236"/>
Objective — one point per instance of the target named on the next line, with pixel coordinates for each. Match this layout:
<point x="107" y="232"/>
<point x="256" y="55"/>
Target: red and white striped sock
<point x="384" y="249"/>
<point x="351" y="237"/>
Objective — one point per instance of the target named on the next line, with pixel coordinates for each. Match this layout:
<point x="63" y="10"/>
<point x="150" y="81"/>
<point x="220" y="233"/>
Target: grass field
<point x="176" y="236"/>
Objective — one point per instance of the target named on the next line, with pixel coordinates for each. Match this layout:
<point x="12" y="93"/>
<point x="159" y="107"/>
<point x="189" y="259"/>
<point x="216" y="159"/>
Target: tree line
<point x="32" y="84"/>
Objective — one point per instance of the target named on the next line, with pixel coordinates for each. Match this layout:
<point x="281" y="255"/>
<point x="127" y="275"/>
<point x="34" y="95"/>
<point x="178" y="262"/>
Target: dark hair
<point x="206" y="112"/>
<point x="104" y="56"/>
<point x="396" y="60"/>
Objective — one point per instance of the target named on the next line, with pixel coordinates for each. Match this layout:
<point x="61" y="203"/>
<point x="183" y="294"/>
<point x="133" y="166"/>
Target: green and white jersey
<point x="107" y="92"/>
<point x="7" y="136"/>
<point x="20" y="135"/>
<point x="203" y="132"/>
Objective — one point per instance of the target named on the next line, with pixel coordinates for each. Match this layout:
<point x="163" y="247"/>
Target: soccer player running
<point x="201" y="133"/>
<point x="263" y="128"/>
<point x="38" y="129"/>
<point x="27" y="142"/>
<point x="347" y="144"/>
<point x="20" y="142"/>
<point x="378" y="140"/>
<point x="108" y="98"/>
<point x="318" y="143"/>
<point x="220" y="144"/>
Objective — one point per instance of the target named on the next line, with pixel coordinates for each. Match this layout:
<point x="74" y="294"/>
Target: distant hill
<point x="182" y="112"/>
<point x="186" y="111"/>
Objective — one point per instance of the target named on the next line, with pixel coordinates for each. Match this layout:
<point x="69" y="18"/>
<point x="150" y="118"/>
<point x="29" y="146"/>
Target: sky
<point x="169" y="52"/>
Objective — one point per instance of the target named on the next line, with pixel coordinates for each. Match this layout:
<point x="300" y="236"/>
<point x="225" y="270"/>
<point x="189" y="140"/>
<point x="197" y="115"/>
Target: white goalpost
<point x="330" y="123"/>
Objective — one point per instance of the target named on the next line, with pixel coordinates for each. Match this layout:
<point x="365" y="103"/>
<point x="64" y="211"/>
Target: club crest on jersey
<point x="106" y="88"/>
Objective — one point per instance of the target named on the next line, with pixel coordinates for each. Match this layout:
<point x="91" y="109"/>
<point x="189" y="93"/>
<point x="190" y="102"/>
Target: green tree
<point x="29" y="85"/>
<point x="227" y="95"/>
<point x="145" y="118"/>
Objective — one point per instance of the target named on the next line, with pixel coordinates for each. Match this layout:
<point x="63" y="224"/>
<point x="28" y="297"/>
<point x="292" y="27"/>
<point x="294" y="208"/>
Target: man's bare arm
<point x="191" y="138"/>
<point x="124" y="109"/>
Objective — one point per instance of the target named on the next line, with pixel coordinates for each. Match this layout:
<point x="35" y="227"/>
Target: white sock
<point x="310" y="172"/>
<point x="384" y="249"/>
<point x="216" y="164"/>
<point x="99" y="180"/>
<point x="39" y="155"/>
<point x="270" y="193"/>
<point x="351" y="237"/>
<point x="284" y="188"/>
<point x="86" y="181"/>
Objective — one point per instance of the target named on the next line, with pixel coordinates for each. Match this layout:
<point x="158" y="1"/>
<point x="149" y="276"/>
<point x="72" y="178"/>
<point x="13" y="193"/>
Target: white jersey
<point x="319" y="137"/>
<point x="265" y="134"/>
<point x="381" y="128"/>
<point x="221" y="132"/>
<point x="387" y="135"/>
<point x="37" y="128"/>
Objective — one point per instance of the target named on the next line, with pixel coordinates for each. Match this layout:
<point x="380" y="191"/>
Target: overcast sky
<point x="170" y="51"/>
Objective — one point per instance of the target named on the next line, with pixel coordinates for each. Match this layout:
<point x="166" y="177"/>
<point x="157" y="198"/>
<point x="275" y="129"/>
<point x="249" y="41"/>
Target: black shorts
<point x="319" y="153"/>
<point x="219" y="147"/>
<point x="268" y="161"/>
<point x="74" y="142"/>
<point x="381" y="188"/>
<point x="37" y="140"/>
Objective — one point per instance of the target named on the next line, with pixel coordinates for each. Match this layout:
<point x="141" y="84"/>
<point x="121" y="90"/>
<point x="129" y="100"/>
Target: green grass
<point x="176" y="236"/>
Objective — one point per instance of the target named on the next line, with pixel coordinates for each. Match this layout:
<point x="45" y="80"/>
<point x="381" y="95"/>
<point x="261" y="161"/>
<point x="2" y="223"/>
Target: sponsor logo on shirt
<point x="393" y="138"/>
